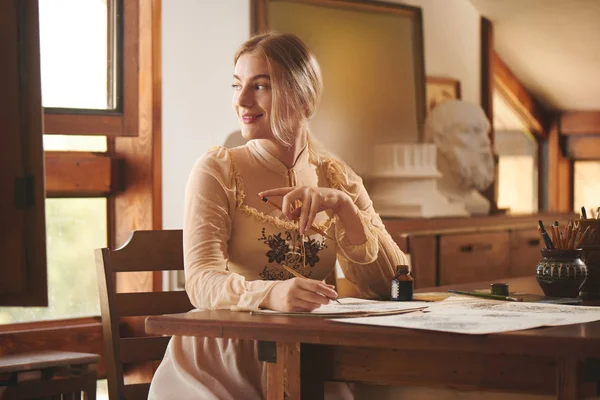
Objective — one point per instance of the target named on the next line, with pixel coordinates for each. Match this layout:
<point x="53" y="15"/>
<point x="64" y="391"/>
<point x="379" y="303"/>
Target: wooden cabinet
<point x="525" y="246"/>
<point x="447" y="251"/>
<point x="473" y="257"/>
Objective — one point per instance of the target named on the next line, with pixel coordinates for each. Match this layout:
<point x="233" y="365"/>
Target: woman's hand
<point x="313" y="200"/>
<point x="298" y="294"/>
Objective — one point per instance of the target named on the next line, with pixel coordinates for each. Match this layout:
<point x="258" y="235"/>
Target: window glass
<point x="517" y="152"/>
<point x="586" y="190"/>
<point x="74" y="228"/>
<point x="74" y="143"/>
<point x="517" y="172"/>
<point x="74" y="52"/>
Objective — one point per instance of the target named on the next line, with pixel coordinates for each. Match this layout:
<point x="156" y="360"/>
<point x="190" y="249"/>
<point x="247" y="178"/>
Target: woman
<point x="236" y="245"/>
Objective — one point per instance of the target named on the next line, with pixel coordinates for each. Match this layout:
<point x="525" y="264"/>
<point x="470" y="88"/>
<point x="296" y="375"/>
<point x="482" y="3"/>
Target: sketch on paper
<point x="353" y="307"/>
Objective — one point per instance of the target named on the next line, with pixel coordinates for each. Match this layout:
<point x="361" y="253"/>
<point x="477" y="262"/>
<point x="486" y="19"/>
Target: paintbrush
<point x="313" y="227"/>
<point x="299" y="275"/>
<point x="486" y="296"/>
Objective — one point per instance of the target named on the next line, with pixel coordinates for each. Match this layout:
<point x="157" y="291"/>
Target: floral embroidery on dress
<point x="297" y="252"/>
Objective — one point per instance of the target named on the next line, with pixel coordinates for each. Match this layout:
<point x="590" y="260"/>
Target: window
<point x="84" y="160"/>
<point x="586" y="182"/>
<point x="77" y="51"/>
<point x="74" y="226"/>
<point x="75" y="143"/>
<point x="517" y="161"/>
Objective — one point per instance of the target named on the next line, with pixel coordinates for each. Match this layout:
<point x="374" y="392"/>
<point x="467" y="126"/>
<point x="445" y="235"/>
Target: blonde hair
<point x="295" y="78"/>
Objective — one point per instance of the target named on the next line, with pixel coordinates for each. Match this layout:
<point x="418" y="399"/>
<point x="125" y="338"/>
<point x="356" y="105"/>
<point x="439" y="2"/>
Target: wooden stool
<point x="48" y="375"/>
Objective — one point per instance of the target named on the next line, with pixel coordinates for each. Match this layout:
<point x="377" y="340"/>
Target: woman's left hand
<point x="313" y="200"/>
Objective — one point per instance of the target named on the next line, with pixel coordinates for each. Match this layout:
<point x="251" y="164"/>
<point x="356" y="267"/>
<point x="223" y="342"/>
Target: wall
<point x="452" y="42"/>
<point x="199" y="39"/>
<point x="363" y="103"/>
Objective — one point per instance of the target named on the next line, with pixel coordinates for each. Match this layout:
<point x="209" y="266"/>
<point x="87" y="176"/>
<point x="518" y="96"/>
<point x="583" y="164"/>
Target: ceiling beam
<point x="580" y="122"/>
<point x="529" y="110"/>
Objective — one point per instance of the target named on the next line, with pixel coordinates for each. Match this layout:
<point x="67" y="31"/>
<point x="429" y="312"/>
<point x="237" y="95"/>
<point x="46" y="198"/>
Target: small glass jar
<point x="402" y="284"/>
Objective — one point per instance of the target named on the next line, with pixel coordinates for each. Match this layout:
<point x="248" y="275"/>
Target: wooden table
<point x="301" y="353"/>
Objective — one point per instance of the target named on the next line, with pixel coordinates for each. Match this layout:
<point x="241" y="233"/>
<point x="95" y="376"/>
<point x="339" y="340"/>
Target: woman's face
<point x="252" y="96"/>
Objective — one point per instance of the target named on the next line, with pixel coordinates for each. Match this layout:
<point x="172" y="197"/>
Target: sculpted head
<point x="461" y="132"/>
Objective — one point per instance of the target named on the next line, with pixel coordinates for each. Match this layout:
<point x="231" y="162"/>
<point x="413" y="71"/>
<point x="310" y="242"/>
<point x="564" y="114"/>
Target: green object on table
<point x="486" y="296"/>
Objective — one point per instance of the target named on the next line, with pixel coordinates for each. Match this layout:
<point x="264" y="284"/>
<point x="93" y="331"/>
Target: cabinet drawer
<point x="525" y="245"/>
<point x="474" y="257"/>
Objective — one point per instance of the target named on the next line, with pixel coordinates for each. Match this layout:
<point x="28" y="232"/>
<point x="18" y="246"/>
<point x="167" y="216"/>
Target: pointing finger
<point x="281" y="191"/>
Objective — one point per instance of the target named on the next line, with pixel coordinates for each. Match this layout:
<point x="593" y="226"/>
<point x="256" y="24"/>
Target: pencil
<point x="299" y="275"/>
<point x="582" y="237"/>
<point x="486" y="296"/>
<point x="583" y="213"/>
<point x="313" y="227"/>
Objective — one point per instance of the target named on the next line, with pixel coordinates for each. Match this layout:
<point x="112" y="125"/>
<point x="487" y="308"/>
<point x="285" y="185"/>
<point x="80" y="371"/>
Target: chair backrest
<point x="128" y="350"/>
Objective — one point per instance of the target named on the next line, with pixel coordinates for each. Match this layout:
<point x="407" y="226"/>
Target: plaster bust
<point x="461" y="132"/>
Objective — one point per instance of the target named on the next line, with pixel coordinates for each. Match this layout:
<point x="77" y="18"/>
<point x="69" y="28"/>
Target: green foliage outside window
<point x="75" y="227"/>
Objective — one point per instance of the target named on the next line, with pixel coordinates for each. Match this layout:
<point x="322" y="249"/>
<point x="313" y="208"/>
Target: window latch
<point x="24" y="192"/>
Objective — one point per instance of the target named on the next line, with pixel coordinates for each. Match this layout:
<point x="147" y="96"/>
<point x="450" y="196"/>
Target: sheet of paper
<point x="353" y="307"/>
<point x="553" y="314"/>
<point x="472" y="324"/>
<point x="469" y="315"/>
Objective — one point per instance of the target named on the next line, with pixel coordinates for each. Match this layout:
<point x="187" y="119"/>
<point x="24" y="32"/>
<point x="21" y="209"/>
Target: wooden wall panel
<point x="560" y="173"/>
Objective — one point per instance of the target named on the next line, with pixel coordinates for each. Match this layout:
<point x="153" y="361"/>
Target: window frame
<point x="124" y="120"/>
<point x="131" y="165"/>
<point x="24" y="271"/>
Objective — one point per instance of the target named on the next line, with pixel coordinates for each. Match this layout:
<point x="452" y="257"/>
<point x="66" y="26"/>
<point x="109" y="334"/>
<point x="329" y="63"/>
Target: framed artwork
<point x="440" y="89"/>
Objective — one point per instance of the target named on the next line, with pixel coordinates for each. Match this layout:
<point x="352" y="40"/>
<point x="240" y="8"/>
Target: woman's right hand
<point x="298" y="294"/>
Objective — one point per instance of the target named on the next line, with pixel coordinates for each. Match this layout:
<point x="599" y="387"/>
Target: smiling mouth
<point x="250" y="119"/>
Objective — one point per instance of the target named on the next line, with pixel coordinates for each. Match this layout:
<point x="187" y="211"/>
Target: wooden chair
<point x="48" y="375"/>
<point x="128" y="350"/>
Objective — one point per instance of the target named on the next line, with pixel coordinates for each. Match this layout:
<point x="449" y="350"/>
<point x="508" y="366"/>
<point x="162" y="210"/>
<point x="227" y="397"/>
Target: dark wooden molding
<point x="23" y="244"/>
<point x="487" y="75"/>
<point x="560" y="172"/>
<point x="580" y="123"/>
<point x="139" y="206"/>
<point x="83" y="124"/>
<point x="487" y="100"/>
<point x="157" y="215"/>
<point x="531" y="112"/>
<point x="259" y="21"/>
<point x="81" y="174"/>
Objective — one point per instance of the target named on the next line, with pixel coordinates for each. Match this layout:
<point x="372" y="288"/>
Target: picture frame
<point x="439" y="89"/>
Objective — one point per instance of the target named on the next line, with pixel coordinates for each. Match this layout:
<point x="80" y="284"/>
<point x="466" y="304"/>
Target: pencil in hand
<point x="299" y="275"/>
<point x="313" y="227"/>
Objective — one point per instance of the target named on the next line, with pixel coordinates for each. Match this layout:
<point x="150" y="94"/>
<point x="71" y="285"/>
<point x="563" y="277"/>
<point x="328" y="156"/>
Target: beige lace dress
<point x="234" y="245"/>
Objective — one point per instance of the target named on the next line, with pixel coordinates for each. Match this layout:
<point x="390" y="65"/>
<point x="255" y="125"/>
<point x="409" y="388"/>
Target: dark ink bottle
<point x="402" y="284"/>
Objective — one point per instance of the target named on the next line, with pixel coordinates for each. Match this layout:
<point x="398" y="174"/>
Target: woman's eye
<point x="236" y="86"/>
<point x="261" y="87"/>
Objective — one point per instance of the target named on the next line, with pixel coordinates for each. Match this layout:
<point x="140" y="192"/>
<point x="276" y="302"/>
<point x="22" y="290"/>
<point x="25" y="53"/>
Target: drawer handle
<point x="534" y="242"/>
<point x="471" y="248"/>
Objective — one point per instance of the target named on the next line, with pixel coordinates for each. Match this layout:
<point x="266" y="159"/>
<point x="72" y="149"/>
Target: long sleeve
<point x="210" y="203"/>
<point x="371" y="265"/>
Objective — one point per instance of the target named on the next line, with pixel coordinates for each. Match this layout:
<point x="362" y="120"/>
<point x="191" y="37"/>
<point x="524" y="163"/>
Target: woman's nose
<point x="244" y="98"/>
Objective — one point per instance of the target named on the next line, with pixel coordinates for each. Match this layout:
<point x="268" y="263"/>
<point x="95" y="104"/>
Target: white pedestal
<point x="403" y="182"/>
